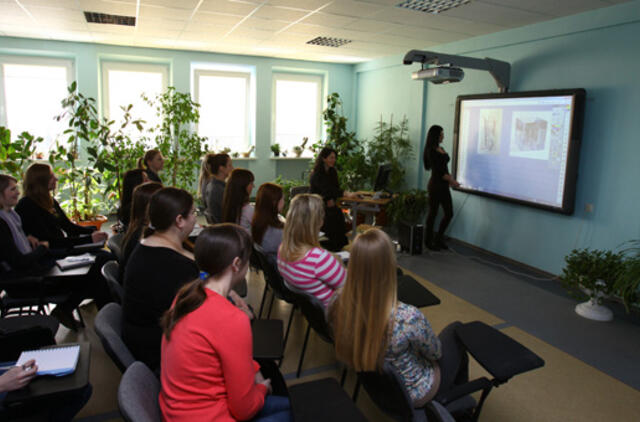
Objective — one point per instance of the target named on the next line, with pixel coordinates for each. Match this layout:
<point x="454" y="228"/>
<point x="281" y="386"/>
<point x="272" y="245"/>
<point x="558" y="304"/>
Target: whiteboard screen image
<point x="521" y="147"/>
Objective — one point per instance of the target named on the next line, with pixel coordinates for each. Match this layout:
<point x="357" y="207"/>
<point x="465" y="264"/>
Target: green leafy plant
<point x="391" y="145"/>
<point x="286" y="185"/>
<point x="17" y="155"/>
<point x="408" y="206"/>
<point x="596" y="271"/>
<point x="275" y="148"/>
<point x="627" y="286"/>
<point x="176" y="138"/>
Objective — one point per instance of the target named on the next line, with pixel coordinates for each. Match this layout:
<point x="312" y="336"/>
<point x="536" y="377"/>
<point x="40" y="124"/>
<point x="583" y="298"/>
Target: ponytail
<point x="189" y="298"/>
<point x="149" y="155"/>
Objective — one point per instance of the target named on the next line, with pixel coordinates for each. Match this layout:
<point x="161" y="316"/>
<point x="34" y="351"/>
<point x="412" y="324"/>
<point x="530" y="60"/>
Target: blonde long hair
<point x="361" y="314"/>
<point x="304" y="220"/>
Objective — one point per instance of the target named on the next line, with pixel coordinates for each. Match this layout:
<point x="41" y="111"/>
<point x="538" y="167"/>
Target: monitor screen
<point x="382" y="177"/>
<point x="521" y="147"/>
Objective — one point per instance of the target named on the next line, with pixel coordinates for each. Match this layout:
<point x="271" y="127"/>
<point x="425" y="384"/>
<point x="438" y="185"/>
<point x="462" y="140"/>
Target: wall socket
<point x="588" y="207"/>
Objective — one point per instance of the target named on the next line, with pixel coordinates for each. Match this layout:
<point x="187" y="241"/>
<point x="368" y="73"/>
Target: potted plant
<point x="594" y="273"/>
<point x="299" y="149"/>
<point x="391" y="145"/>
<point x="176" y="138"/>
<point x="275" y="148"/>
<point x="407" y="210"/>
<point x="627" y="286"/>
<point x="16" y="156"/>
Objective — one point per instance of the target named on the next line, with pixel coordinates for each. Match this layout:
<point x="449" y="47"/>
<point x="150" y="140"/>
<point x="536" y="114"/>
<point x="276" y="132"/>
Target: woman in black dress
<point x="324" y="182"/>
<point x="435" y="159"/>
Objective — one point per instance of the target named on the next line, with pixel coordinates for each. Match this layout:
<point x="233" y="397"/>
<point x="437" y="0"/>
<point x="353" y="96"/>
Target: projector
<point x="439" y="74"/>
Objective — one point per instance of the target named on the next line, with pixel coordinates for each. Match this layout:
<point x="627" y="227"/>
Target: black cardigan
<point x="55" y="227"/>
<point x="325" y="183"/>
<point x="14" y="262"/>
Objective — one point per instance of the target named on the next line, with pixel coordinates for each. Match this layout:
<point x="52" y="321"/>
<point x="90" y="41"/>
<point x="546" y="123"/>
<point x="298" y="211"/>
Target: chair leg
<point x="264" y="296"/>
<point x="344" y="376"/>
<point x="304" y="348"/>
<point x="270" y="306"/>
<point x="356" y="390"/>
<point x="483" y="397"/>
<point x="80" y="316"/>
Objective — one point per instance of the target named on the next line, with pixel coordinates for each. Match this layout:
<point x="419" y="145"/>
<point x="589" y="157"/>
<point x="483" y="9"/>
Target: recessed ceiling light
<point x="431" y="6"/>
<point x="329" y="41"/>
<point x="95" y="17"/>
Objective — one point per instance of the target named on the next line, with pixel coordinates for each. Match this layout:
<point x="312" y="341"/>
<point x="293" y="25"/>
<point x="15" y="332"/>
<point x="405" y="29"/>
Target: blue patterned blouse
<point x="412" y="348"/>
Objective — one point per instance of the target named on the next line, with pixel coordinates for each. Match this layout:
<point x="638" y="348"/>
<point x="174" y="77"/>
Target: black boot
<point x="439" y="243"/>
<point x="428" y="241"/>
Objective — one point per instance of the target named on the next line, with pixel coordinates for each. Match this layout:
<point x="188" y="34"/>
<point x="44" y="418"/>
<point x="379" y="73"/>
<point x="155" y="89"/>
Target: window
<point x="31" y="92"/>
<point x="297" y="111"/>
<point x="124" y="83"/>
<point x="224" y="98"/>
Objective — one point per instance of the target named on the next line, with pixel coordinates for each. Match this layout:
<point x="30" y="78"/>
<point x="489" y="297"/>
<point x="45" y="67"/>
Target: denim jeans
<point x="275" y="409"/>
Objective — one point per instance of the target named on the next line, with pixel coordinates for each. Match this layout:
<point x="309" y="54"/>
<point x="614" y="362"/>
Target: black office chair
<point x="334" y="405"/>
<point x="110" y="271"/>
<point x="26" y="296"/>
<point x="138" y="395"/>
<point x="115" y="245"/>
<point x="296" y="190"/>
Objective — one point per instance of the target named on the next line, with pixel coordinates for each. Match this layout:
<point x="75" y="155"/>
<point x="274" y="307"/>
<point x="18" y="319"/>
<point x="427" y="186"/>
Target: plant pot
<point x="97" y="222"/>
<point x="591" y="310"/>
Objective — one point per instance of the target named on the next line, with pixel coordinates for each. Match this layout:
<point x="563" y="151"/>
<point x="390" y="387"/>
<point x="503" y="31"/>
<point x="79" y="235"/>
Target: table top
<point x="411" y="292"/>
<point x="48" y="386"/>
<point x="365" y="197"/>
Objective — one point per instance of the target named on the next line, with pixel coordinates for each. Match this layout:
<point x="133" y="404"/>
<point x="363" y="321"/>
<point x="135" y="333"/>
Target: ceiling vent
<point x="431" y="6"/>
<point x="94" y="17"/>
<point x="329" y="41"/>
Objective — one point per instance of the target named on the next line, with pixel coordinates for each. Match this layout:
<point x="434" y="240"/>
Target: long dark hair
<point x="266" y="211"/>
<point x="324" y="153"/>
<point x="433" y="139"/>
<point x="165" y="205"/>
<point x="215" y="249"/>
<point x="236" y="195"/>
<point x="130" y="180"/>
<point x="36" y="185"/>
<point x="139" y="216"/>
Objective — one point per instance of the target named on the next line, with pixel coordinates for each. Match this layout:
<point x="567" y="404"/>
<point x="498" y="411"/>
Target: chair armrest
<point x="464" y="390"/>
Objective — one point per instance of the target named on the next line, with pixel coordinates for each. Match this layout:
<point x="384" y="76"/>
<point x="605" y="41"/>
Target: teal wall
<point x="598" y="51"/>
<point x="338" y="78"/>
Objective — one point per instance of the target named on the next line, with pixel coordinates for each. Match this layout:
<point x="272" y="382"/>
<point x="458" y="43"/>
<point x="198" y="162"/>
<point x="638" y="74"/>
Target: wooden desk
<point x="49" y="386"/>
<point x="363" y="203"/>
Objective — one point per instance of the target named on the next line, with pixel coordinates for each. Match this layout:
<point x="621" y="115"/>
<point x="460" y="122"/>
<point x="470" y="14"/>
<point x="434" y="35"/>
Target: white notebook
<point x="56" y="361"/>
<point x="76" y="261"/>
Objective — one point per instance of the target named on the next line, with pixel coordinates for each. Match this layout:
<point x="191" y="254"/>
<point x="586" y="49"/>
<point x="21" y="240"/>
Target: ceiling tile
<point x="280" y="13"/>
<point x="164" y="13"/>
<point x="62" y="4"/>
<point x="373" y="26"/>
<point x="325" y="19"/>
<point x="357" y="9"/>
<point x="263" y="24"/>
<point x="253" y="34"/>
<point x="224" y="6"/>
<point x="213" y="33"/>
<point x="145" y="23"/>
<point x="551" y="7"/>
<point x="182" y="4"/>
<point x="303" y="28"/>
<point x="207" y="18"/>
<point x="494" y="14"/>
<point x="64" y="26"/>
<point x="111" y="29"/>
<point x="300" y="4"/>
<point x="100" y="6"/>
<point x="43" y="14"/>
<point x="426" y="34"/>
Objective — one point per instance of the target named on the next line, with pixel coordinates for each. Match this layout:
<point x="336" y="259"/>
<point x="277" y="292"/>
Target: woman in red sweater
<point x="207" y="369"/>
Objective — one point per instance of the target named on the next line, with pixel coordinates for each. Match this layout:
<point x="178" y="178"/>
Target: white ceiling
<point x="278" y="28"/>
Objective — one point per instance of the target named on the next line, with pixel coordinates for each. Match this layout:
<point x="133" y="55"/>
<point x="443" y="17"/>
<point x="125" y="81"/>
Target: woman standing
<point x="152" y="163"/>
<point x="266" y="227"/>
<point x="371" y="327"/>
<point x="207" y="371"/>
<point x="324" y="182"/>
<point x="235" y="203"/>
<point x="435" y="158"/>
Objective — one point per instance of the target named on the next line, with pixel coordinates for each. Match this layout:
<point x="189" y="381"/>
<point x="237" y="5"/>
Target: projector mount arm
<point x="500" y="70"/>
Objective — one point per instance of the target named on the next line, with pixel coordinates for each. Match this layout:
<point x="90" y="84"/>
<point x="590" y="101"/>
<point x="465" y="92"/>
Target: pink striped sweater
<point x="318" y="273"/>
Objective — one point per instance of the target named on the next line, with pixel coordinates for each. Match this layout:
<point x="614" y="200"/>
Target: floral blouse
<point x="412" y="348"/>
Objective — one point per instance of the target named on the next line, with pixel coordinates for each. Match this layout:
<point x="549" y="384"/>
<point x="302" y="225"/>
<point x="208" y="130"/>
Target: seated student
<point x="42" y="216"/>
<point x="138" y="220"/>
<point x="235" y="203"/>
<point x="207" y="370"/>
<point x="22" y="255"/>
<point x="371" y="327"/>
<point x="304" y="265"/>
<point x="157" y="268"/>
<point x="152" y="163"/>
<point x="266" y="227"/>
<point x="215" y="170"/>
<point x="130" y="180"/>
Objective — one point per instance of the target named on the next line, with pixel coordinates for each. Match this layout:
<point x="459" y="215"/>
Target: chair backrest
<point x="272" y="277"/>
<point x="388" y="393"/>
<point x="299" y="189"/>
<point x="314" y="311"/>
<point x="138" y="395"/>
<point x="108" y="326"/>
<point x="110" y="271"/>
<point x="115" y="245"/>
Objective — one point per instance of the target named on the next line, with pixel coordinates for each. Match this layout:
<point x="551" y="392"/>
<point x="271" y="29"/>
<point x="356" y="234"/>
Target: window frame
<point x="240" y="73"/>
<point x="67" y="63"/>
<point x="298" y="77"/>
<point x="127" y="66"/>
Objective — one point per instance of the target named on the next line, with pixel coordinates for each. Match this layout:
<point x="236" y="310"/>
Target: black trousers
<point x="334" y="228"/>
<point x="439" y="195"/>
<point x="454" y="363"/>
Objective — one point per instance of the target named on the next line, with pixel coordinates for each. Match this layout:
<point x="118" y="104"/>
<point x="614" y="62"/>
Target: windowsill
<point x="243" y="158"/>
<point x="291" y="158"/>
